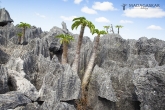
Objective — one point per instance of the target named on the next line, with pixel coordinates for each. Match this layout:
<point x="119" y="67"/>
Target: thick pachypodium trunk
<point x="118" y="30"/>
<point x="23" y="35"/>
<point x="75" y="64"/>
<point x="65" y="51"/>
<point x="112" y="28"/>
<point x="88" y="71"/>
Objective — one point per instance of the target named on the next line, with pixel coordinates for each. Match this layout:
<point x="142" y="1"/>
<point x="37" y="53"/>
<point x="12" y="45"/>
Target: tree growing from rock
<point x="118" y="27"/>
<point x="24" y="26"/>
<point x="83" y="22"/>
<point x="107" y="27"/>
<point x="19" y="37"/>
<point x="90" y="65"/>
<point x="65" y="40"/>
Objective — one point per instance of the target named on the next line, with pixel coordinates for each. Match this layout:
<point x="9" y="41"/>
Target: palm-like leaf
<point x="82" y="21"/>
<point x="118" y="26"/>
<point x="77" y="22"/>
<point x="91" y="26"/>
<point x="75" y="25"/>
<point x="107" y="27"/>
<point x="101" y="32"/>
<point x="19" y="34"/>
<point x="79" y="18"/>
<point x="65" y="38"/>
<point x="24" y="25"/>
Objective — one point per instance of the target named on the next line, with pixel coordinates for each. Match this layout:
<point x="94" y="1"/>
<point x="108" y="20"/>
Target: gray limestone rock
<point x="29" y="106"/>
<point x="2" y="40"/>
<point x="4" y="17"/>
<point x="3" y="80"/>
<point x="4" y="57"/>
<point x="64" y="27"/>
<point x="150" y="87"/>
<point x="57" y="106"/>
<point x="13" y="99"/>
<point x="113" y="85"/>
<point x="59" y="84"/>
<point x="22" y="85"/>
<point x="101" y="94"/>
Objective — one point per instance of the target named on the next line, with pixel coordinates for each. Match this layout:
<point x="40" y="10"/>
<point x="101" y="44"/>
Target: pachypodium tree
<point x="24" y="26"/>
<point x="19" y="37"/>
<point x="65" y="39"/>
<point x="89" y="68"/>
<point x="83" y="22"/>
<point x="118" y="27"/>
<point x="107" y="27"/>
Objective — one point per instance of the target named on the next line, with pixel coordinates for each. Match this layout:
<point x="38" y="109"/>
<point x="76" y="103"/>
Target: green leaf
<point x="65" y="38"/>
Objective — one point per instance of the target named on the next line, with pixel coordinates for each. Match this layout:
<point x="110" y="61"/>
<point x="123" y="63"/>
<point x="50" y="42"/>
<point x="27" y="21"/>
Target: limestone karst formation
<point x="128" y="74"/>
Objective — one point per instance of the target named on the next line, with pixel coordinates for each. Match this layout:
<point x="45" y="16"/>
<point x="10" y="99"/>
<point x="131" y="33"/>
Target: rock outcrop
<point x="150" y="83"/>
<point x="12" y="100"/>
<point x="4" y="17"/>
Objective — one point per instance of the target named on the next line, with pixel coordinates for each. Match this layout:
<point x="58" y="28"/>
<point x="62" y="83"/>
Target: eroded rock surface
<point x="3" y="80"/>
<point x="59" y="82"/>
<point x="150" y="87"/>
<point x="11" y="100"/>
<point x="4" y="17"/>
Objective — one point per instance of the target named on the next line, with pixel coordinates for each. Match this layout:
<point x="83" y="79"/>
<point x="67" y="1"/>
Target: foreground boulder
<point x="22" y="85"/>
<point x="13" y="99"/>
<point x="150" y="87"/>
<point x="101" y="95"/>
<point x="60" y="84"/>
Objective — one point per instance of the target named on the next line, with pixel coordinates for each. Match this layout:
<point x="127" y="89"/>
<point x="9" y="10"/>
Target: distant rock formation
<point x="4" y="17"/>
<point x="64" y="27"/>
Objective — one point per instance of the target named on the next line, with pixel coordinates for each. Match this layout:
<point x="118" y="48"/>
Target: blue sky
<point x="48" y="13"/>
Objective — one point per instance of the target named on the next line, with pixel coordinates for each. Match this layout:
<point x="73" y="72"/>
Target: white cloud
<point x="104" y="6"/>
<point x="42" y="16"/>
<point x="70" y="18"/>
<point x="142" y="13"/>
<point x="102" y="19"/>
<point x="77" y="1"/>
<point x="154" y="27"/>
<point x="125" y="21"/>
<point x="87" y="10"/>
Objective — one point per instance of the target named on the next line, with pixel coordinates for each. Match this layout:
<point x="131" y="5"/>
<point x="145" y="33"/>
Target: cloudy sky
<point x="137" y="22"/>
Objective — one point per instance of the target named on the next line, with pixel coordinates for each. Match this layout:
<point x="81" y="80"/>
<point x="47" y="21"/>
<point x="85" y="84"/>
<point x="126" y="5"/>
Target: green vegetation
<point x="118" y="26"/>
<point x="65" y="40"/>
<point x="89" y="68"/>
<point x="24" y="26"/>
<point x="19" y="37"/>
<point x="83" y="22"/>
<point x="107" y="27"/>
